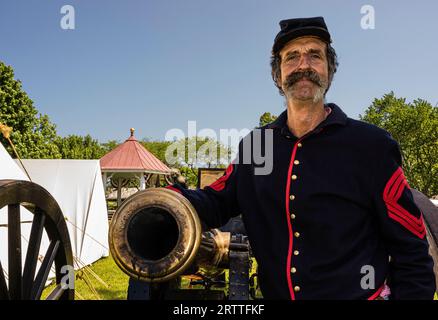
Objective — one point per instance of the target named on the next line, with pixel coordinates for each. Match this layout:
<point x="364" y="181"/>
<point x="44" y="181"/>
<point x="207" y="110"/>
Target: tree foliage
<point x="109" y="145"/>
<point x="197" y="152"/>
<point x="78" y="147"/>
<point x="266" y="118"/>
<point x="189" y="154"/>
<point x="158" y="148"/>
<point x="33" y="134"/>
<point x="415" y="127"/>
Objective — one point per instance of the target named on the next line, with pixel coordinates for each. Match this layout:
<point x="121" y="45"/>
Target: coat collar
<point x="337" y="116"/>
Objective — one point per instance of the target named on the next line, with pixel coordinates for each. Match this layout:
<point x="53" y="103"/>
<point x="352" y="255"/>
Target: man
<point x="335" y="218"/>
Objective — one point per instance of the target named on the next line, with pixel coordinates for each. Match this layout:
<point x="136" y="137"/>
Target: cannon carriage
<point x="156" y="237"/>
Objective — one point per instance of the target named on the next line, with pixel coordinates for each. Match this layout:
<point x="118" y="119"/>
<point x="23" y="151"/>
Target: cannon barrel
<point x="156" y="235"/>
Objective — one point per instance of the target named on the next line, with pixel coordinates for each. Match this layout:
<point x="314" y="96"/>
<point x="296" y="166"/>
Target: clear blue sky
<point x="154" y="65"/>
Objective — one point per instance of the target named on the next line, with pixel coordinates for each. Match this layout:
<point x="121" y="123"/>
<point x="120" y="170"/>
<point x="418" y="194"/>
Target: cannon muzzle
<point x="156" y="235"/>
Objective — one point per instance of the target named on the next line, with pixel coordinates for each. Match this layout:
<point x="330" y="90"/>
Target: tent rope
<point x="79" y="263"/>
<point x="6" y="131"/>
<point x="85" y="233"/>
<point x="82" y="275"/>
<point x="78" y="295"/>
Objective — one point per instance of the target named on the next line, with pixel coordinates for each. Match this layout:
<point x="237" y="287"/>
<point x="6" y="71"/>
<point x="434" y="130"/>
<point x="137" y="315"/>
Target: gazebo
<point x="131" y="160"/>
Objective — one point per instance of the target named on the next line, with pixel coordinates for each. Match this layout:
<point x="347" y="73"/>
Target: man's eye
<point x="316" y="56"/>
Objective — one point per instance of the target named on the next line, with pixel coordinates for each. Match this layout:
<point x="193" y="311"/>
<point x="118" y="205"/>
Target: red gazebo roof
<point x="132" y="156"/>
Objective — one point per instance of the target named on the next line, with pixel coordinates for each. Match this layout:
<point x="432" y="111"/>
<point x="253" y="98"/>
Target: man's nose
<point x="304" y="62"/>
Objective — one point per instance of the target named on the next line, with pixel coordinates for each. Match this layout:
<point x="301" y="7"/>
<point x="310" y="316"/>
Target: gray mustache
<point x="296" y="76"/>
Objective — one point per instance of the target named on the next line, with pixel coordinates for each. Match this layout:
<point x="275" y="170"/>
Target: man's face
<point x="304" y="69"/>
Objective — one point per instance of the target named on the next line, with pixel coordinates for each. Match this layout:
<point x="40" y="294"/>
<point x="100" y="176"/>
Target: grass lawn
<point x="117" y="282"/>
<point x="107" y="271"/>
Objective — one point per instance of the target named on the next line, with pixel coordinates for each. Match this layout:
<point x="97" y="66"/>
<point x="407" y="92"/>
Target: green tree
<point x="189" y="154"/>
<point x="415" y="127"/>
<point x="199" y="152"/>
<point x="190" y="175"/>
<point x="33" y="134"/>
<point x="78" y="147"/>
<point x="266" y="118"/>
<point x="157" y="148"/>
<point x="109" y="145"/>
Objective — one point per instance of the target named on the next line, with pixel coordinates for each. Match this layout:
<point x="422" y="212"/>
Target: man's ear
<point x="279" y="81"/>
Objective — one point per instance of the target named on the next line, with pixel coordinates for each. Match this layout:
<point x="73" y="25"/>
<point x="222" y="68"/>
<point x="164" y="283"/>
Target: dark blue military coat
<point x="327" y="218"/>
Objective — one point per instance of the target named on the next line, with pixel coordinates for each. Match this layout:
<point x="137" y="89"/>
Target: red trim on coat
<point x="289" y="224"/>
<point x="419" y="234"/>
<point x="416" y="223"/>
<point x="173" y="188"/>
<point x="219" y="184"/>
<point x="391" y="194"/>
<point x="377" y="293"/>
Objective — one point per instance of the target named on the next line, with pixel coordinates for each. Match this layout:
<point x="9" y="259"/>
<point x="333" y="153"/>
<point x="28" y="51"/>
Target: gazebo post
<point x="119" y="192"/>
<point x="104" y="178"/>
<point x="142" y="182"/>
<point x="158" y="181"/>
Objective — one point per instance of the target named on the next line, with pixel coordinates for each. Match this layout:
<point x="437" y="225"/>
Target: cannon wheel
<point x="430" y="215"/>
<point x="47" y="216"/>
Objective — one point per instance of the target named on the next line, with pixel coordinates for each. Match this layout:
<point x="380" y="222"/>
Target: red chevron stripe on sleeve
<point x="391" y="194"/>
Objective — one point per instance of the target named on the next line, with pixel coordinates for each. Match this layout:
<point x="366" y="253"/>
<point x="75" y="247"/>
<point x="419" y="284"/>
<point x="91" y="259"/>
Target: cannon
<point x="156" y="236"/>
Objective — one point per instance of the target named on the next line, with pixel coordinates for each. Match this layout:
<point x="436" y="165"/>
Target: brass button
<point x="297" y="234"/>
<point x="297" y="288"/>
<point x="292" y="216"/>
<point x="292" y="197"/>
<point x="294" y="177"/>
<point x="293" y="270"/>
<point x="296" y="252"/>
<point x="299" y="145"/>
<point x="296" y="162"/>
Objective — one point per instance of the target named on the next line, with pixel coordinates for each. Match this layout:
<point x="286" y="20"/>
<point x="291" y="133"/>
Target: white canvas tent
<point x="77" y="187"/>
<point x="8" y="168"/>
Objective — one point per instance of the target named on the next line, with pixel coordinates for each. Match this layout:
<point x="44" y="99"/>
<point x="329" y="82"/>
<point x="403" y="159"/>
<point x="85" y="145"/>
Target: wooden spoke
<point x="33" y="253"/>
<point x="43" y="273"/>
<point x="4" y="294"/>
<point x="56" y="293"/>
<point x="14" y="252"/>
<point x="21" y="278"/>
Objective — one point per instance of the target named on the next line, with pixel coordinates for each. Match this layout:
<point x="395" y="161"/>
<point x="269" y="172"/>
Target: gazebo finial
<point x="132" y="132"/>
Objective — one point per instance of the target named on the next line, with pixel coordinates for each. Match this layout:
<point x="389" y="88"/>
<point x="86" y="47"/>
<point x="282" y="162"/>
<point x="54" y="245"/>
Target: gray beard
<point x="317" y="97"/>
